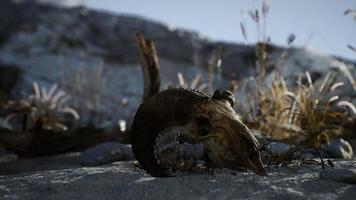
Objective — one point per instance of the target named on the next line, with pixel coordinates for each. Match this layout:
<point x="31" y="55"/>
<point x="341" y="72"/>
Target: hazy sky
<point x="319" y="24"/>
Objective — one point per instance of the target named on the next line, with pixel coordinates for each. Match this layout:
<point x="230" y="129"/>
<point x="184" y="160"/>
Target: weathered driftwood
<point x="48" y="142"/>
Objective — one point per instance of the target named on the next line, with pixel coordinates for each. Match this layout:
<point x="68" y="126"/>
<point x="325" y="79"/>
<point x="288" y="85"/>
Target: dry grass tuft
<point x="44" y="109"/>
<point x="197" y="83"/>
<point x="309" y="115"/>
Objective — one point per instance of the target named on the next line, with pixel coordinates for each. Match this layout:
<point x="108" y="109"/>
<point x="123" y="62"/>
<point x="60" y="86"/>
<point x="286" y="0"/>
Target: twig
<point x="289" y="155"/>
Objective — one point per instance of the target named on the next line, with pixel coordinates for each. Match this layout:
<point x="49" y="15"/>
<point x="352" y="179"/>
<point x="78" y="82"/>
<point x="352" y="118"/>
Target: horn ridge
<point x="224" y="94"/>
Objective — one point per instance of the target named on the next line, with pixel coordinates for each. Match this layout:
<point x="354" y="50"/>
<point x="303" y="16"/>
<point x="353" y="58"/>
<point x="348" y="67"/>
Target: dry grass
<point x="351" y="12"/>
<point x="272" y="115"/>
<point x="44" y="109"/>
<point x="85" y="86"/>
<point x="308" y="114"/>
<point x="199" y="82"/>
<point x="196" y="83"/>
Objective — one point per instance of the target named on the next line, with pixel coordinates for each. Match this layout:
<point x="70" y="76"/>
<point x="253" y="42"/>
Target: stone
<point x="6" y="156"/>
<point x="277" y="148"/>
<point x="105" y="153"/>
<point x="338" y="148"/>
<point x="4" y="123"/>
<point x="339" y="175"/>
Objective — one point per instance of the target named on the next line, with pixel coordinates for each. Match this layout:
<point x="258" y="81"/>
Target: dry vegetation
<point x="44" y="109"/>
<point x="306" y="114"/>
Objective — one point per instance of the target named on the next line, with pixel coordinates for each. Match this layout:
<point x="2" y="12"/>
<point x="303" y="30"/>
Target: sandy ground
<point x="122" y="180"/>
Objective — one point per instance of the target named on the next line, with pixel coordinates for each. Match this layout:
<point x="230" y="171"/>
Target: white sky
<point x="319" y="24"/>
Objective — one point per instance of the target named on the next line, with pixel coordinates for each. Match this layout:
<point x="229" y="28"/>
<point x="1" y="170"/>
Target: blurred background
<point x="318" y="24"/>
<point x="69" y="64"/>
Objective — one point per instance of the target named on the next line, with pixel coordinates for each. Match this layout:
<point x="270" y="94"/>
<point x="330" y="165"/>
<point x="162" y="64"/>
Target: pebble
<point x="338" y="148"/>
<point x="105" y="153"/>
<point x="277" y="148"/>
<point x="5" y="124"/>
<point x="7" y="156"/>
<point x="339" y="175"/>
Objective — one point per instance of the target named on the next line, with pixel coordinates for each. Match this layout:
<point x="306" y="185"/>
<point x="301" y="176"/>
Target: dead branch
<point x="150" y="66"/>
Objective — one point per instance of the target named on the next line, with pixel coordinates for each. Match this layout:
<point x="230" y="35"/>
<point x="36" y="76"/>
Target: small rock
<point x="105" y="153"/>
<point x="339" y="175"/>
<point x="277" y="148"/>
<point x="7" y="156"/>
<point x="306" y="155"/>
<point x="274" y="150"/>
<point x="5" y="123"/>
<point x="338" y="148"/>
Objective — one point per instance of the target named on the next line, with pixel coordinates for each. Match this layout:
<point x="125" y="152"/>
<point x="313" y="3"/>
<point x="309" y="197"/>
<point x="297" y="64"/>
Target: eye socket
<point x="203" y="125"/>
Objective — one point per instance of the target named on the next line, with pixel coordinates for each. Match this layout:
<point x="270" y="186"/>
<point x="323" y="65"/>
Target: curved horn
<point x="150" y="66"/>
<point x="171" y="107"/>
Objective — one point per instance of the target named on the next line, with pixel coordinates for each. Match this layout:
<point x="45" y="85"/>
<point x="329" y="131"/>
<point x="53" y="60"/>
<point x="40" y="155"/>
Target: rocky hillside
<point x="92" y="55"/>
